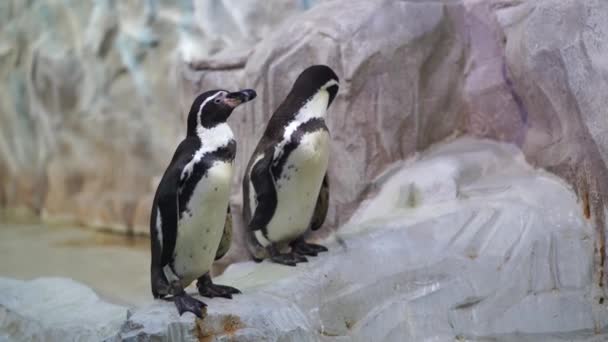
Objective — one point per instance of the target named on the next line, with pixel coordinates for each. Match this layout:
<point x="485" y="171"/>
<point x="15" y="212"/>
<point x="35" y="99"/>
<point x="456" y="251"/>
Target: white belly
<point x="200" y="229"/>
<point x="298" y="187"/>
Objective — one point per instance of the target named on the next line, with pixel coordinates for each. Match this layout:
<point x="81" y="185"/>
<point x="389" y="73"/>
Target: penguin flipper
<point x="167" y="197"/>
<point x="320" y="213"/>
<point x="226" y="237"/>
<point x="266" y="194"/>
<point x="163" y="230"/>
<point x="168" y="205"/>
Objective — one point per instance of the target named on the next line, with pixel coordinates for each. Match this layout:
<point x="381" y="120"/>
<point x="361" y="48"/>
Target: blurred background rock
<point x="92" y="102"/>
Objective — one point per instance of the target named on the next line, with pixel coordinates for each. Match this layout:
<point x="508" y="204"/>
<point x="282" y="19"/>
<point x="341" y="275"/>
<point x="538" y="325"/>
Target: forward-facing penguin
<point x="189" y="212"/>
<point x="285" y="188"/>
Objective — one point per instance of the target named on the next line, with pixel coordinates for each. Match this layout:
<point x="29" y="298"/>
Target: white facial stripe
<point x="200" y="109"/>
<point x="329" y="84"/>
<point x="211" y="139"/>
<point x="159" y="228"/>
<point x="315" y="107"/>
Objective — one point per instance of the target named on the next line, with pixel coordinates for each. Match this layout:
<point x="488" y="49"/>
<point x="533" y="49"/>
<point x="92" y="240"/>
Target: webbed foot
<point x="302" y="247"/>
<point x="186" y="303"/>
<point x="288" y="259"/>
<point x="207" y="288"/>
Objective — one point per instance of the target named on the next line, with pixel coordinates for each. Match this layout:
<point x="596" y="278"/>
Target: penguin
<point x="190" y="212"/>
<point x="285" y="185"/>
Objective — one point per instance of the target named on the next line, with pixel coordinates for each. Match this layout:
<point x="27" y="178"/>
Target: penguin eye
<point x="217" y="101"/>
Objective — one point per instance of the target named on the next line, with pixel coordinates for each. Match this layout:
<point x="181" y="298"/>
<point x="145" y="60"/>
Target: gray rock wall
<point x="89" y="97"/>
<point x="546" y="60"/>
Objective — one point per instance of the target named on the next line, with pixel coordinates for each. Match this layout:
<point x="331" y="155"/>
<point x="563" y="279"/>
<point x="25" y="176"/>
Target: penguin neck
<point x="314" y="108"/>
<point x="212" y="138"/>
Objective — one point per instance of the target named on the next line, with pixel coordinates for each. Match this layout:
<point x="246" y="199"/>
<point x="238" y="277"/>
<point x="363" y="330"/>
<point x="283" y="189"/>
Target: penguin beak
<point x="239" y="97"/>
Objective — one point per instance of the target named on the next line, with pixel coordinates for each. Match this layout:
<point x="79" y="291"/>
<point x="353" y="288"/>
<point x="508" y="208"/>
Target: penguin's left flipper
<point x="320" y="213"/>
<point x="166" y="204"/>
<point x="207" y="288"/>
<point x="169" y="191"/>
<point x="266" y="194"/>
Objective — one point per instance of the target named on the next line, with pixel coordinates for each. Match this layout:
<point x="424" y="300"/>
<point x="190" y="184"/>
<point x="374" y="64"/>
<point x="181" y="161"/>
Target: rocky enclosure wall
<point x="94" y="94"/>
<point x="90" y="99"/>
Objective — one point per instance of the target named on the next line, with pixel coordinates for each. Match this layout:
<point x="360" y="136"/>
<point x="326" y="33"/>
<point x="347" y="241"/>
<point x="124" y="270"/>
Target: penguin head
<point x="215" y="106"/>
<point x="314" y="79"/>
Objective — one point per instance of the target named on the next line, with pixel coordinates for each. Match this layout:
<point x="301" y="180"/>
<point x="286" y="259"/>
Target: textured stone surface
<point x="89" y="102"/>
<point x="536" y="72"/>
<point x="91" y="109"/>
<point x="491" y="249"/>
<point x="55" y="309"/>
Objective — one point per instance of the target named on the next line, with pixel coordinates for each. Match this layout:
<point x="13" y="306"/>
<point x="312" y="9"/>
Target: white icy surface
<point x="464" y="242"/>
<point x="55" y="309"/>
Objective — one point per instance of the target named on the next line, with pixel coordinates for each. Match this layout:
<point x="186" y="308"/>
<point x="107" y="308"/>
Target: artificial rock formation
<point x="89" y="102"/>
<point x="55" y="309"/>
<point x="534" y="81"/>
<point x="93" y="108"/>
<point x="465" y="242"/>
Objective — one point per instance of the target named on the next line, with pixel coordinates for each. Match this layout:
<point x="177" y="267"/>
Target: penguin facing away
<point x="191" y="211"/>
<point x="285" y="186"/>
